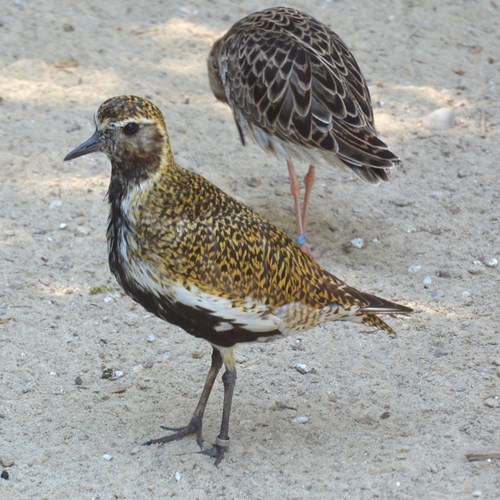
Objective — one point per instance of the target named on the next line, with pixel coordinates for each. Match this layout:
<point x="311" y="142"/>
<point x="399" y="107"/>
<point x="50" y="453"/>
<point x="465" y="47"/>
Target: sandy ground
<point x="387" y="418"/>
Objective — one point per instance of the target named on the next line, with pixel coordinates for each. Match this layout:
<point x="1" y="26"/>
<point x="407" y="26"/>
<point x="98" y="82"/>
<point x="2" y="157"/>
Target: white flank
<point x="253" y="316"/>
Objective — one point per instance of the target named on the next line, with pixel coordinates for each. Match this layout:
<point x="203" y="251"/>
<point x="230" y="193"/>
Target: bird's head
<point x="131" y="131"/>
<point x="214" y="77"/>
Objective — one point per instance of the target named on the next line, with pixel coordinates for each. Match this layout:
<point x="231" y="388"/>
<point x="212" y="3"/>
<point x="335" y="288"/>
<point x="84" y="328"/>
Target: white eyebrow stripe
<point x="122" y="123"/>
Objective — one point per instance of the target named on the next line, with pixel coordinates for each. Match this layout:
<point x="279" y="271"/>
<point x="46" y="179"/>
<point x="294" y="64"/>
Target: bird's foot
<point x="301" y="240"/>
<point x="217" y="451"/>
<point x="194" y="427"/>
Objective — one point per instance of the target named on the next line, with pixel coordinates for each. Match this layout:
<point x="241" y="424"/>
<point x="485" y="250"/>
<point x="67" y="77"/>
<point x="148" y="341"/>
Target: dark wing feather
<point x="293" y="77"/>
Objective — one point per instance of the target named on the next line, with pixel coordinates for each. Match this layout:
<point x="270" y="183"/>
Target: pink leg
<point x="295" y="190"/>
<point x="308" y="182"/>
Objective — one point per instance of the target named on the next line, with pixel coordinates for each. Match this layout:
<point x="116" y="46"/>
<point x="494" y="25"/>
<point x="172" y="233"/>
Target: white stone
<point x="55" y="204"/>
<point x="358" y="242"/>
<point x="302" y="368"/>
<point x="303" y="419"/>
<point x="440" y="119"/>
<point x="415" y="268"/>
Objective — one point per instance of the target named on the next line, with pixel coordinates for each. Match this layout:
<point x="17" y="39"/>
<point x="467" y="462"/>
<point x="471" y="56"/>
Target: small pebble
<point x="444" y="274"/>
<point x="78" y="380"/>
<point x="493" y="402"/>
<point x="6" y="461"/>
<point x="53" y="374"/>
<point x="427" y="281"/>
<point x="151" y="338"/>
<point x="415" y="268"/>
<point x="55" y="204"/>
<point x="148" y="364"/>
<point x="4" y="475"/>
<point x="178" y="476"/>
<point x="332" y="396"/>
<point x="107" y="457"/>
<point x="491" y="263"/>
<point x="111" y="374"/>
<point x="65" y="63"/>
<point x="117" y="389"/>
<point x="254" y="182"/>
<point x="63" y="225"/>
<point x="134" y="450"/>
<point x="476" y="268"/>
<point x="303" y="419"/>
<point x="357" y="243"/>
<point x="302" y="368"/>
<point x="477" y="493"/>
<point x="298" y="344"/>
<point x="83" y="230"/>
<point x="440" y="119"/>
<point x="385" y="415"/>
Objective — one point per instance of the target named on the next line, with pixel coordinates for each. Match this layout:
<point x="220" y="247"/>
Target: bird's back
<point x="295" y="87"/>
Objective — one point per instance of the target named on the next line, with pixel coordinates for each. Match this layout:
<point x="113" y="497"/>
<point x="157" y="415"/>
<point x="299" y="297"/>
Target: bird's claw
<point x="194" y="427"/>
<point x="216" y="452"/>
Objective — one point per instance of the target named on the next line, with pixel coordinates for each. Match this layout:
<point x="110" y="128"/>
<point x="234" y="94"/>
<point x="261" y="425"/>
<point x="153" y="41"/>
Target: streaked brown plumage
<point x="296" y="89"/>
<point x="196" y="257"/>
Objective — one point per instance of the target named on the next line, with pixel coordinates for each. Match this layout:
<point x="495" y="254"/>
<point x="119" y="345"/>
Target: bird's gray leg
<point x="301" y="239"/>
<point x="196" y="422"/>
<point x="229" y="380"/>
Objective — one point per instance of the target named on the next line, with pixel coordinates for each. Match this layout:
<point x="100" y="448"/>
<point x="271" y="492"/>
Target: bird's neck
<point x="131" y="172"/>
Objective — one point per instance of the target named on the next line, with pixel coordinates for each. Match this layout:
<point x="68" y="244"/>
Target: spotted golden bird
<point x="189" y="253"/>
<point x="295" y="88"/>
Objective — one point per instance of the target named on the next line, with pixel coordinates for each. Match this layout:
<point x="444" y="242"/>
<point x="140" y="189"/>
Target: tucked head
<point x="131" y="131"/>
<point x="214" y="78"/>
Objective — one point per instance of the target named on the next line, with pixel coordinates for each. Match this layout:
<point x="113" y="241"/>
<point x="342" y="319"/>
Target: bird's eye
<point x="131" y="128"/>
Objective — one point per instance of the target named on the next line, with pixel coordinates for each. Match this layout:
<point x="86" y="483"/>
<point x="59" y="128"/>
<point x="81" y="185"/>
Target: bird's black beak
<point x="91" y="145"/>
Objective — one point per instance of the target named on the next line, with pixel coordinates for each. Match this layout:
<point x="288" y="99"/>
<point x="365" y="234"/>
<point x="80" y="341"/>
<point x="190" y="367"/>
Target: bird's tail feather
<point x="373" y="306"/>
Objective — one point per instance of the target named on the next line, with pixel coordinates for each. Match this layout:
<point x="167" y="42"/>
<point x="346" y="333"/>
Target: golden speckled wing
<point x="214" y="245"/>
<point x="292" y="77"/>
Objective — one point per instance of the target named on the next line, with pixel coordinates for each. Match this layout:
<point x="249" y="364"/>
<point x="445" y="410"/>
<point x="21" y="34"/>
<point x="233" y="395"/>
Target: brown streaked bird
<point x="296" y="89"/>
<point x="199" y="259"/>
